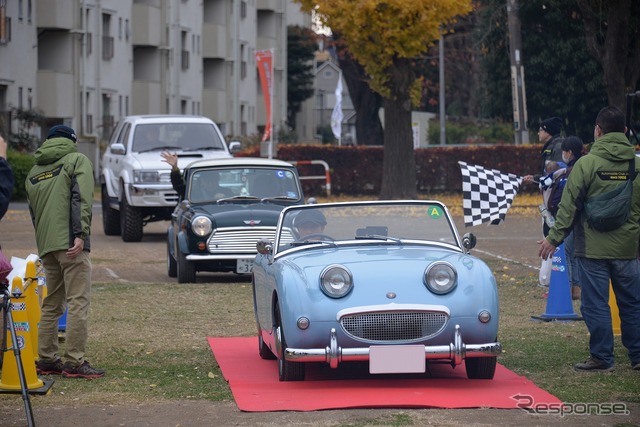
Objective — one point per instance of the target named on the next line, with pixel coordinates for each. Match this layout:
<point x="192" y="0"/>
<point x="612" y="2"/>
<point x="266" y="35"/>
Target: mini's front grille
<point x="394" y="326"/>
<point x="239" y="240"/>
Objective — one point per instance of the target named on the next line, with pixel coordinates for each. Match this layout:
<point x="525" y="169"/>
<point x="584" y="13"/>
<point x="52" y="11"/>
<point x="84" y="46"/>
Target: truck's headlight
<point x="201" y="226"/>
<point x="142" y="177"/>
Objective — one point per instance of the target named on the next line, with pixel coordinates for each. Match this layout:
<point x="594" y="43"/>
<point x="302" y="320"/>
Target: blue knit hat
<point x="62" y="131"/>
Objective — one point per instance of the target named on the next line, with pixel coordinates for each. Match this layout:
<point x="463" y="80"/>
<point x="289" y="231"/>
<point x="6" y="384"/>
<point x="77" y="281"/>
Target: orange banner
<point x="264" y="60"/>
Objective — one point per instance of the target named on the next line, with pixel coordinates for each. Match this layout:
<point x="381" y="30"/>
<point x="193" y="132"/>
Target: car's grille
<point x="239" y="240"/>
<point x="394" y="326"/>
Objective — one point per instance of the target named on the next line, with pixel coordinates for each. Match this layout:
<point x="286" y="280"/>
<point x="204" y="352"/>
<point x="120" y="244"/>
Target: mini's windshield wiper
<point x="277" y="198"/>
<point x="165" y="147"/>
<point x="226" y="199"/>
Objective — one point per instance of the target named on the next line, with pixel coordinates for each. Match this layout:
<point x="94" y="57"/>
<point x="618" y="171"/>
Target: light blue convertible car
<point x="388" y="282"/>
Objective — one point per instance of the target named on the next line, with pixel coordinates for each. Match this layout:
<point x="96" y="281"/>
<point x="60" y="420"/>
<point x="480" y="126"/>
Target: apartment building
<point x="86" y="63"/>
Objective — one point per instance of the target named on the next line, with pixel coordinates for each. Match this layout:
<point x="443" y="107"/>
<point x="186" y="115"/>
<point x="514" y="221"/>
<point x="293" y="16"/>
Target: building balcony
<point x="214" y="105"/>
<point x="57" y="16"/>
<point x="274" y="5"/>
<point x="146" y="25"/>
<point x="263" y="43"/>
<point x="56" y="93"/>
<point x="214" y="41"/>
<point x="147" y="97"/>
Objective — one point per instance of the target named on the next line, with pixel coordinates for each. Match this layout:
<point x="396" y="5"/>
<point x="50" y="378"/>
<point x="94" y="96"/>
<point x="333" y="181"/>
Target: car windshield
<point x="176" y="136"/>
<point x="242" y="183"/>
<point x="391" y="222"/>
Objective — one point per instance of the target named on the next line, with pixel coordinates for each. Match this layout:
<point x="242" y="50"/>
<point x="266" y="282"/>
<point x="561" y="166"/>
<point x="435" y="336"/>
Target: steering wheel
<point x="316" y="236"/>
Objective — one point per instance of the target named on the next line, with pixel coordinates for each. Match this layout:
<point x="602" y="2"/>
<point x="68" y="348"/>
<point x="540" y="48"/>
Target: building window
<point x="20" y="98"/>
<point x="5" y="27"/>
<point x="120" y="28"/>
<point x="243" y="9"/>
<point x="19" y="10"/>
<point x="29" y="11"/>
<point x="88" y="43"/>
<point x="107" y="39"/>
<point x="107" y="47"/>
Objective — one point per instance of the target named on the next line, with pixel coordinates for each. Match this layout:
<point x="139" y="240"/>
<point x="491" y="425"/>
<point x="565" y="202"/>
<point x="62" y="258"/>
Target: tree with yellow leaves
<point x="386" y="37"/>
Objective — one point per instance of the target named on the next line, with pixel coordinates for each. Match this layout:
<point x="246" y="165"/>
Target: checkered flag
<point x="487" y="194"/>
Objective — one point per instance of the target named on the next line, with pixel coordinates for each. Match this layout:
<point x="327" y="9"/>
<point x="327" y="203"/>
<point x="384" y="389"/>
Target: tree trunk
<point x="613" y="49"/>
<point x="366" y="102"/>
<point x="398" y="165"/>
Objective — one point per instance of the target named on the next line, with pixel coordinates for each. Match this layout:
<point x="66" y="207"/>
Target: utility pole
<point x="518" y="92"/>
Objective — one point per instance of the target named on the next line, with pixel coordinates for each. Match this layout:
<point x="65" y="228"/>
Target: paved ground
<point x="514" y="240"/>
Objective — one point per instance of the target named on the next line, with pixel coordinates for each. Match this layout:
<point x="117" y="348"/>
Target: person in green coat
<point x="603" y="257"/>
<point x="60" y="197"/>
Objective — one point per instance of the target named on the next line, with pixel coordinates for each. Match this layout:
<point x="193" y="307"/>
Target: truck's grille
<point x="394" y="326"/>
<point x="239" y="239"/>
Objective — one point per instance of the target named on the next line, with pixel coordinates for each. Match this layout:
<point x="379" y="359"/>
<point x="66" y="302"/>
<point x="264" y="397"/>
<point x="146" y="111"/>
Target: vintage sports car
<point x="388" y="282"/>
<point x="227" y="207"/>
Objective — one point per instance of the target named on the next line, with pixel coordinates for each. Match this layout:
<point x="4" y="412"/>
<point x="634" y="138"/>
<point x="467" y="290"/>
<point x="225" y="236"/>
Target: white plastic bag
<point x="544" y="278"/>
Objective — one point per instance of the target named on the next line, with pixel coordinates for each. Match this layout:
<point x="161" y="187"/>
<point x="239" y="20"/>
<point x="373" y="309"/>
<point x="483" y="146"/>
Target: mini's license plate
<point x="396" y="359"/>
<point x="244" y="265"/>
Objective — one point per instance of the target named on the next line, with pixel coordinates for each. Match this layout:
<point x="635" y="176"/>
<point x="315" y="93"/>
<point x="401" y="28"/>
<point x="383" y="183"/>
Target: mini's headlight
<point x="336" y="281"/>
<point x="201" y="226"/>
<point x="141" y="177"/>
<point x="440" y="277"/>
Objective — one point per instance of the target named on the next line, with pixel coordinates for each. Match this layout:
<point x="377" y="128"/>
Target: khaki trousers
<point x="68" y="285"/>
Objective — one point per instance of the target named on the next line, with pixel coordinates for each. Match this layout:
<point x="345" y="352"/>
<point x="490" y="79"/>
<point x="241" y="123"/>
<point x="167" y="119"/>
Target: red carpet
<point x="255" y="386"/>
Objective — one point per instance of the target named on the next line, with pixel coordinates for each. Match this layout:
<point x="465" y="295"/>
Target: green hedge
<point x="358" y="170"/>
<point x="21" y="164"/>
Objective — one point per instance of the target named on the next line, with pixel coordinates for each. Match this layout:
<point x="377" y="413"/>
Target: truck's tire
<point x="130" y="221"/>
<point x="110" y="216"/>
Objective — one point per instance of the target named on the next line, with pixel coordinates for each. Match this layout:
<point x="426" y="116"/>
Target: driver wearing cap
<point x="308" y="222"/>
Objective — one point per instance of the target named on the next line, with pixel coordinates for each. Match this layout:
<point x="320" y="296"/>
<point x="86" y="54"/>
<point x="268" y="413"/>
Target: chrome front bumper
<point x="333" y="354"/>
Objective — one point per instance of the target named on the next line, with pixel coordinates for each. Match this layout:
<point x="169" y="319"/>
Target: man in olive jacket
<point x="603" y="257"/>
<point x="60" y="196"/>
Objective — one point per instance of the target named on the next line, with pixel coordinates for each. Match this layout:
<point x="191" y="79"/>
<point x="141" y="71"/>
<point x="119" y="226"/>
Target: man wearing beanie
<point x="549" y="136"/>
<point x="60" y="196"/>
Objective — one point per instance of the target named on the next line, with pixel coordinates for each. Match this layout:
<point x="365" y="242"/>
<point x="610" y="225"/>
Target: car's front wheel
<point x="287" y="371"/>
<point x="110" y="216"/>
<point x="186" y="269"/>
<point x="480" y="368"/>
<point x="264" y="350"/>
<point x="172" y="266"/>
<point x="130" y="221"/>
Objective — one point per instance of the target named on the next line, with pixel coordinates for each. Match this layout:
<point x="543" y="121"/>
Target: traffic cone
<point x="559" y="303"/>
<point x="615" y="314"/>
<point x="10" y="381"/>
<point x="33" y="305"/>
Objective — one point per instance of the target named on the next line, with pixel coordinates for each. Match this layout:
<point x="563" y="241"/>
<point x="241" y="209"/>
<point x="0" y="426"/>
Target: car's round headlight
<point x="336" y="281"/>
<point x="440" y="277"/>
<point x="201" y="226"/>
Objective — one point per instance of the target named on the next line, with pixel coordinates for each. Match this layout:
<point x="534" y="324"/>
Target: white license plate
<point x="244" y="265"/>
<point x="396" y="359"/>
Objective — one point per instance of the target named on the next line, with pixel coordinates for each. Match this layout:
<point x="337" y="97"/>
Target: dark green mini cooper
<point x="227" y="207"/>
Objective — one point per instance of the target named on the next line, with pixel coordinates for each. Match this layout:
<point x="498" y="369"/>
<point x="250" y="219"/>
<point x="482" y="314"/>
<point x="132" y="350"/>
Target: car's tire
<point x="172" y="266"/>
<point x="110" y="216"/>
<point x="130" y="221"/>
<point x="480" y="368"/>
<point x="288" y="371"/>
<point x="263" y="350"/>
<point x="186" y="270"/>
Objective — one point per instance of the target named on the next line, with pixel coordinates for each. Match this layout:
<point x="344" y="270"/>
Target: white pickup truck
<point x="135" y="182"/>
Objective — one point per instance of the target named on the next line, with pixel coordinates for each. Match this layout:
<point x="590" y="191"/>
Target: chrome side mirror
<point x="469" y="241"/>
<point x="118" y="148"/>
